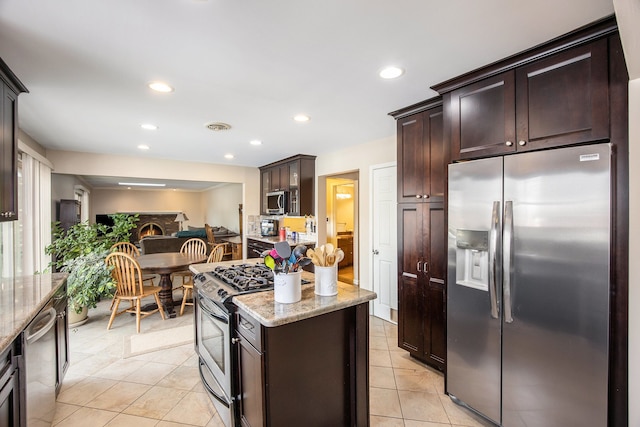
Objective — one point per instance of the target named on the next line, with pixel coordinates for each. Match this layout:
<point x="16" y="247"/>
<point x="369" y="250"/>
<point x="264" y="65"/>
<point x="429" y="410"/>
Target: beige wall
<point x="356" y="158"/>
<point x="221" y="206"/>
<point x="108" y="201"/>
<point x="248" y="178"/>
<point x="216" y="206"/>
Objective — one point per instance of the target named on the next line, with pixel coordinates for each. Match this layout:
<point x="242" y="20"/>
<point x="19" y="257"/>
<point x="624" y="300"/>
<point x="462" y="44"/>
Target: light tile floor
<point x="163" y="388"/>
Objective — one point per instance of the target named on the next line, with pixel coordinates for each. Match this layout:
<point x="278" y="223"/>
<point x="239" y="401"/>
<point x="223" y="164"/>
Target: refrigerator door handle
<point x="508" y="255"/>
<point x="493" y="247"/>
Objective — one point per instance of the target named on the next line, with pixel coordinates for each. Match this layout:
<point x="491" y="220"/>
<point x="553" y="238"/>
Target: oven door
<point x="213" y="345"/>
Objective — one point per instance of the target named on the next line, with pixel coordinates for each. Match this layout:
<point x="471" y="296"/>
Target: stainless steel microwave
<point x="277" y="202"/>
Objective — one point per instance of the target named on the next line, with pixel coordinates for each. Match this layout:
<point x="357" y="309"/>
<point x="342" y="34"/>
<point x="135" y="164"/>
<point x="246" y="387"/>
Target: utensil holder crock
<point x="287" y="288"/>
<point x="326" y="280"/>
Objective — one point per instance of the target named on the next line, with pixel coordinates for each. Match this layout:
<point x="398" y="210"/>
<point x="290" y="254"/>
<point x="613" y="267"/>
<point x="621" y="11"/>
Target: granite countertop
<point x="21" y="298"/>
<point x="269" y="313"/>
<point x="276" y="239"/>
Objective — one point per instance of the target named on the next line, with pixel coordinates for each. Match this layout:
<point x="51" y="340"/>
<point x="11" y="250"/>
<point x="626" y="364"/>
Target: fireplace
<point x="153" y="224"/>
<point x="150" y="229"/>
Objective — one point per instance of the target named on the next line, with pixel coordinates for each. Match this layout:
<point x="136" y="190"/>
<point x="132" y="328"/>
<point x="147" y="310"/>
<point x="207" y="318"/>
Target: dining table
<point x="164" y="264"/>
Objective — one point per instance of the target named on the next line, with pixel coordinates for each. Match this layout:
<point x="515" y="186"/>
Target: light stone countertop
<point x="21" y="298"/>
<point x="269" y="313"/>
<point x="275" y="239"/>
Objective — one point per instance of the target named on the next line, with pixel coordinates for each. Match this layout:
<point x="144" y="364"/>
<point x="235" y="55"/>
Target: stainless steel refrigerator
<point x="528" y="286"/>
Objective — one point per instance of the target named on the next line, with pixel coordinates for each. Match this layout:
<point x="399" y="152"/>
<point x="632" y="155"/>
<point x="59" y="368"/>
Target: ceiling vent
<point x="218" y="126"/>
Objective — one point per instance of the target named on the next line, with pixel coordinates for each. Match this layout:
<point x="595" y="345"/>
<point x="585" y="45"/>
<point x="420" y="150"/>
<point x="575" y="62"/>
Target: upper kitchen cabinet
<point x="279" y="178"/>
<point x="422" y="152"/>
<point x="552" y="95"/>
<point x="295" y="175"/>
<point x="10" y="88"/>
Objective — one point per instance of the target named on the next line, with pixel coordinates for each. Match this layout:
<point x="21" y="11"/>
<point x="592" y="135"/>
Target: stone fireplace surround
<point x="166" y="221"/>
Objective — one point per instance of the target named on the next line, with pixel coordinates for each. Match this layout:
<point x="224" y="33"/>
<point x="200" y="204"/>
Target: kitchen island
<point x="305" y="363"/>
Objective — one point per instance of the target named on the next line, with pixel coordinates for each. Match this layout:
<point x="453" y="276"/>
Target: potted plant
<point x="81" y="251"/>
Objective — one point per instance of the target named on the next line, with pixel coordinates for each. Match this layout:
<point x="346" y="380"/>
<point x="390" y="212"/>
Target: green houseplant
<point x="81" y="251"/>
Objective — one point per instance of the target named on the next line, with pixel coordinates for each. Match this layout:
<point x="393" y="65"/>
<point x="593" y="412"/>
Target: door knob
<point x="375" y="252"/>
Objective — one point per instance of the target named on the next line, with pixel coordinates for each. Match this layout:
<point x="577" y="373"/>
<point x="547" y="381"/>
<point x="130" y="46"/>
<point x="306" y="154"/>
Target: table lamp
<point x="181" y="217"/>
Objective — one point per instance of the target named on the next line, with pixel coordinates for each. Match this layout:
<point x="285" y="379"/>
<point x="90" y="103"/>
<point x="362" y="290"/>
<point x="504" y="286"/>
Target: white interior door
<point x="384" y="241"/>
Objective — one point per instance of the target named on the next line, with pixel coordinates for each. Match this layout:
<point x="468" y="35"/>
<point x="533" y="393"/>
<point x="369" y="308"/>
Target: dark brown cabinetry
<point x="313" y="372"/>
<point x="10" y="395"/>
<point x="345" y="242"/>
<point x="560" y="99"/>
<point x="10" y="88"/>
<point x="421" y="157"/>
<point x="256" y="247"/>
<point x="422" y="266"/>
<point x="69" y="213"/>
<point x="295" y="175"/>
<point x="422" y="256"/>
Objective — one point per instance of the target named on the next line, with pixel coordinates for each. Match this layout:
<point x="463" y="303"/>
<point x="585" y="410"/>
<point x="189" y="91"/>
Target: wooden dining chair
<point x="187" y="289"/>
<point x="194" y="246"/>
<point x="130" y="249"/>
<point x="130" y="287"/>
<point x="211" y="240"/>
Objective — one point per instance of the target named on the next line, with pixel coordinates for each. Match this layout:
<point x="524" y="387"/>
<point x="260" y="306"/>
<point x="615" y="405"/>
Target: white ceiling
<point x="253" y="64"/>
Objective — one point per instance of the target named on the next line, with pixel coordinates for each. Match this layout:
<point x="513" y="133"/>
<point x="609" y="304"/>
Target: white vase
<point x="287" y="288"/>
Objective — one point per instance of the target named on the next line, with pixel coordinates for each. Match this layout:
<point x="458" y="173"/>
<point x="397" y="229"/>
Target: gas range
<point x="227" y="281"/>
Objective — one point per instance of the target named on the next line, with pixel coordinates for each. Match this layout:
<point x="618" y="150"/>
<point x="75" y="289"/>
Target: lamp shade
<point x="181" y="217"/>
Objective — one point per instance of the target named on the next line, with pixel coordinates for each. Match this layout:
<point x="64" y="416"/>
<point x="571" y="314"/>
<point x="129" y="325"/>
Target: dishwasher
<point x="40" y="366"/>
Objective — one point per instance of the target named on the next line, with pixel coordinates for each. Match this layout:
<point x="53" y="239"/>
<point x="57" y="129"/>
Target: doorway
<point x="342" y="222"/>
<point x="384" y="241"/>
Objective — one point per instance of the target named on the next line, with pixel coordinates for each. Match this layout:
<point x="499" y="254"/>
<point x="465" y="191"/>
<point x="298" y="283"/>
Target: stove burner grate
<point x="245" y="277"/>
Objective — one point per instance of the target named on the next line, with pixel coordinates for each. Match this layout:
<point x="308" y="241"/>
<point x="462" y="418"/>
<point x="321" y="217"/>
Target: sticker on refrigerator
<point x="472" y="258"/>
<point x="589" y="157"/>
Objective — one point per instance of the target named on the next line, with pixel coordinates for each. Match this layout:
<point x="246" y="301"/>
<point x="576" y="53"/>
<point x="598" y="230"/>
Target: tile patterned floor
<point x="163" y="388"/>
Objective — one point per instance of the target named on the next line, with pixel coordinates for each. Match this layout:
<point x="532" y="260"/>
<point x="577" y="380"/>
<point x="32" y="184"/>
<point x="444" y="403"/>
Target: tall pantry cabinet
<point x="422" y="257"/>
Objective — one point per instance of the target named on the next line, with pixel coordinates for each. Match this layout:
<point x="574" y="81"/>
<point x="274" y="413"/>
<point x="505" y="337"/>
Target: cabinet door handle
<point x="522" y="142"/>
<point x="508" y="143"/>
<point x="235" y="340"/>
<point x="426" y="267"/>
<point x="426" y="196"/>
<point x="418" y="267"/>
<point x="418" y="196"/>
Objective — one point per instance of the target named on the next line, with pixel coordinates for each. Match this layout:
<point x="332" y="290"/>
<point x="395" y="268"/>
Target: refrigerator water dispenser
<point x="472" y="258"/>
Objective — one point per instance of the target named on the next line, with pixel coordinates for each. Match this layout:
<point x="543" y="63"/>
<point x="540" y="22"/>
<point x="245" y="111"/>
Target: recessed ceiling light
<point x="255" y="142"/>
<point x="160" y="87"/>
<point x="301" y="118"/>
<point x="142" y="184"/>
<point x="148" y="126"/>
<point x="391" y="72"/>
<point x="228" y="156"/>
<point x="143" y="147"/>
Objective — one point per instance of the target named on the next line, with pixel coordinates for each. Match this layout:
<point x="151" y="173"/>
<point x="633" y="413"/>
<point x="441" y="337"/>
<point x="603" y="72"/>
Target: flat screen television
<point x="104" y="219"/>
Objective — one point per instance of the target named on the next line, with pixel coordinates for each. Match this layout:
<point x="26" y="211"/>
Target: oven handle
<point x="206" y="385"/>
<point x="207" y="309"/>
